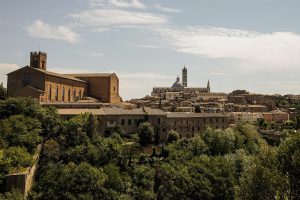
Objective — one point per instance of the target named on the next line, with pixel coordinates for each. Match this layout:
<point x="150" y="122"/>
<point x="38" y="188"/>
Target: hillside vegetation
<point x="77" y="163"/>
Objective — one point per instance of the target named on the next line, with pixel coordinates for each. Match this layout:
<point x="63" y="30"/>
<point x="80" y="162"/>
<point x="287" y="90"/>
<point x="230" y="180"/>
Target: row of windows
<point x="192" y="129"/>
<point x="129" y="122"/>
<point x="205" y="120"/>
<point x="63" y="93"/>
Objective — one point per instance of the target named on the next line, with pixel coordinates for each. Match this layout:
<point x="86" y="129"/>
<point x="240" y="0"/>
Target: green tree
<point x="91" y="126"/>
<point x="99" y="152"/>
<point x="51" y="150"/>
<point x="172" y="136"/>
<point x="220" y="142"/>
<point x="3" y="92"/>
<point x="259" y="182"/>
<point x="20" y="106"/>
<point x="143" y="180"/>
<point x="51" y="122"/>
<point x="171" y="182"/>
<point x="198" y="146"/>
<point x="289" y="158"/>
<point x="12" y="195"/>
<point x="146" y="133"/>
<point x="70" y="181"/>
<point x="298" y="122"/>
<point x="114" y="179"/>
<point x="13" y="159"/>
<point x="157" y="137"/>
<point x="75" y="131"/>
<point x="19" y="130"/>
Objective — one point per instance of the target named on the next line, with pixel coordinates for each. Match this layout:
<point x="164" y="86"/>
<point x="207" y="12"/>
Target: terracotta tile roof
<point x="59" y="75"/>
<point x="51" y="74"/>
<point x="91" y="75"/>
<point x="193" y="115"/>
<point x="151" y="111"/>
<point x="66" y="111"/>
<point x="121" y="111"/>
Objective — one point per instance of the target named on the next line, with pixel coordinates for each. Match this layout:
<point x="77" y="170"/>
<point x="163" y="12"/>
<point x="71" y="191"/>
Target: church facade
<point x="37" y="82"/>
<point x="179" y="87"/>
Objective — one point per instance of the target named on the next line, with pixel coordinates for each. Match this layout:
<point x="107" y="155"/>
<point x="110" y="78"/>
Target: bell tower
<point x="184" y="76"/>
<point x="38" y="60"/>
<point x="208" y="86"/>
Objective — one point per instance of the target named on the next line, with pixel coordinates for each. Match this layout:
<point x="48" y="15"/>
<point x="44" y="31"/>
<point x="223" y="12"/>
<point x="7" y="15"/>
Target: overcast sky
<point x="236" y="44"/>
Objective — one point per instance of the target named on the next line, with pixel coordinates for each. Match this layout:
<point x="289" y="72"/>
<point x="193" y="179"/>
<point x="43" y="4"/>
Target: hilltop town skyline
<point x="178" y="80"/>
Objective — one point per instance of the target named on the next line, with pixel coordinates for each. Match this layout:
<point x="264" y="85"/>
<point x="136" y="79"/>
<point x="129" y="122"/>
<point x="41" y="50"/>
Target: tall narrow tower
<point x="38" y="60"/>
<point x="184" y="76"/>
<point x="208" y="86"/>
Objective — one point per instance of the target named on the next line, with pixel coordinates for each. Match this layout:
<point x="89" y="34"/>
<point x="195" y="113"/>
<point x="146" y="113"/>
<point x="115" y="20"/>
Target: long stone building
<point x="36" y="81"/>
<point x="185" y="123"/>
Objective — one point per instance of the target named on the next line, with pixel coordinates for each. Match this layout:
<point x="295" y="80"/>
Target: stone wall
<point x="23" y="181"/>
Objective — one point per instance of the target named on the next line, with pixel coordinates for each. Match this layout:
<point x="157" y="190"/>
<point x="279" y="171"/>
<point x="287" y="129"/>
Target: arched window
<point x="50" y="92"/>
<point x="56" y="93"/>
<point x="129" y="122"/>
<point x="63" y="94"/>
<point x="122" y="122"/>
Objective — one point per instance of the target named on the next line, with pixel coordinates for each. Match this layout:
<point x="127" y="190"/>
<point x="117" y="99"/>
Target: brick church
<point x="36" y="81"/>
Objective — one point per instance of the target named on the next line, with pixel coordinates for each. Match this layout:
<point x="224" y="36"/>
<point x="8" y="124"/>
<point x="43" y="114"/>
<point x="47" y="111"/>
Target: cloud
<point x="137" y="4"/>
<point x="147" y="46"/>
<point x="251" y="50"/>
<point x="6" y="68"/>
<point x="128" y="4"/>
<point x="280" y="87"/>
<point x="40" y="29"/>
<point x="118" y="3"/>
<point x="166" y="9"/>
<point x="117" y="18"/>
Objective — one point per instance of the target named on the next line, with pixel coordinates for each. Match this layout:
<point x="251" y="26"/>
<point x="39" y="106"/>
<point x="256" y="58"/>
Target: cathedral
<point x="180" y="87"/>
<point x="46" y="86"/>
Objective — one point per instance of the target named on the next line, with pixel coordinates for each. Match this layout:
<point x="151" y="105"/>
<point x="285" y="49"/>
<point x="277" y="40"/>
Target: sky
<point x="236" y="44"/>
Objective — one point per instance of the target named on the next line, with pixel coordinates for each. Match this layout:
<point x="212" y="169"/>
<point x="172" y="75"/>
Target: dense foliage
<point x="3" y="92"/>
<point x="23" y="124"/>
<point x="77" y="163"/>
<point x="232" y="164"/>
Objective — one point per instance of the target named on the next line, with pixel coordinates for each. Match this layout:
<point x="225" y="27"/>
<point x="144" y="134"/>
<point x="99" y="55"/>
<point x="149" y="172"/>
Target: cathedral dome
<point x="177" y="86"/>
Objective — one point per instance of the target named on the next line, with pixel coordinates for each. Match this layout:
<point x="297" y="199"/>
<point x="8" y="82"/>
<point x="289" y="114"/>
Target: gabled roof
<point x="121" y="111"/>
<point x="51" y="74"/>
<point x="92" y="75"/>
<point x="59" y="75"/>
